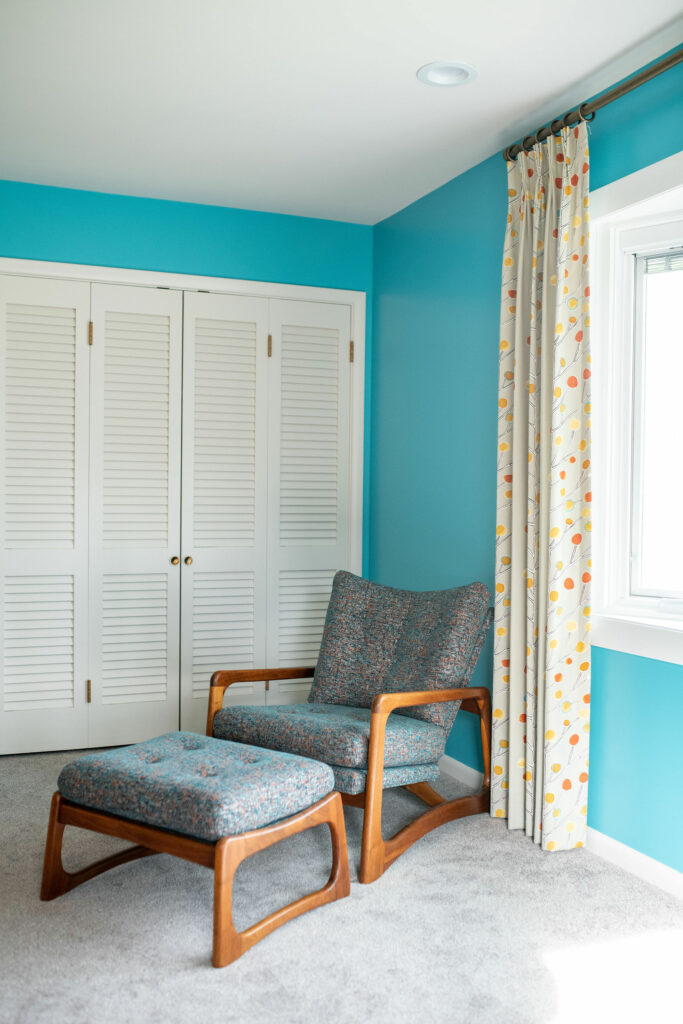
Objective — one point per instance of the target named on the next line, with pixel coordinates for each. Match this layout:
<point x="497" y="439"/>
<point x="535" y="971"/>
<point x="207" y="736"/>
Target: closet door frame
<point x="355" y="300"/>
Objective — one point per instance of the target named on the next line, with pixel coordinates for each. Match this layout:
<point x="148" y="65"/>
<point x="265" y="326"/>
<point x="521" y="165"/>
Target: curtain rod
<point x="586" y="111"/>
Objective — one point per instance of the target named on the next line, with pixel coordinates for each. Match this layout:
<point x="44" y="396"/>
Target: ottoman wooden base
<point x="224" y="857"/>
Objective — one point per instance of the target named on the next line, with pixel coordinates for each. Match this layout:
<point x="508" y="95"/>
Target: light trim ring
<point x="446" y="73"/>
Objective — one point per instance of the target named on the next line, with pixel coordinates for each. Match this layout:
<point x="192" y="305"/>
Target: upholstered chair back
<point x="378" y="639"/>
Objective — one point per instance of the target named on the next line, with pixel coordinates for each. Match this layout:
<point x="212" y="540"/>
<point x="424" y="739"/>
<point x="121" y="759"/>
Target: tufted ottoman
<point x="205" y="800"/>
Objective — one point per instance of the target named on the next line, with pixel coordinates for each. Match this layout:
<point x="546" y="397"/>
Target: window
<point x="657" y="479"/>
<point x="637" y="261"/>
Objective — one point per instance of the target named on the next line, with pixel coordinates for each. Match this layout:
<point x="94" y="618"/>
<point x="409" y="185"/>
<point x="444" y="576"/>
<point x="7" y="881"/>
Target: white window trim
<point x="235" y="286"/>
<point x="644" y="204"/>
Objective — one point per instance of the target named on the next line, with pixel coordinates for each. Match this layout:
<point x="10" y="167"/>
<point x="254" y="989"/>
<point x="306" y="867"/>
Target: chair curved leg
<point x="56" y="880"/>
<point x="377" y="853"/>
<point x="425" y="793"/>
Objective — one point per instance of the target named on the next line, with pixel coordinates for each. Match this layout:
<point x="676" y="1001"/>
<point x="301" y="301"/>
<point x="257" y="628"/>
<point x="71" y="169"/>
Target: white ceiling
<point x="308" y="107"/>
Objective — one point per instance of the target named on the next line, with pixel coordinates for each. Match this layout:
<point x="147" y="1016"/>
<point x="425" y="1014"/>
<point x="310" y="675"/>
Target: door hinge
<point x="270" y="345"/>
<point x="350" y="351"/>
<point x="88" y="692"/>
<point x="90" y="333"/>
<point x="267" y="685"/>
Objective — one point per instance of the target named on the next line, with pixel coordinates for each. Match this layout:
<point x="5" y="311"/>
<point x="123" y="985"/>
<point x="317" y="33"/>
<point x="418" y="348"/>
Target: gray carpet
<point x="473" y="924"/>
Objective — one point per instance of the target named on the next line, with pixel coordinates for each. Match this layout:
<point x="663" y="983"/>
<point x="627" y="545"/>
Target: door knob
<point x="188" y="560"/>
<point x="175" y="560"/>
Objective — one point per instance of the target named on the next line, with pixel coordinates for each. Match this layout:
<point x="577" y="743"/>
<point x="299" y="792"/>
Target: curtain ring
<point x="586" y="117"/>
<point x="528" y="142"/>
<point x="537" y="137"/>
<point x="566" y="119"/>
<point x="556" y="125"/>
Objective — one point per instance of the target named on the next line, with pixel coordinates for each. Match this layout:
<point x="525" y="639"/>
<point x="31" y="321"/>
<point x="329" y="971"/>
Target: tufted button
<point x="193" y="743"/>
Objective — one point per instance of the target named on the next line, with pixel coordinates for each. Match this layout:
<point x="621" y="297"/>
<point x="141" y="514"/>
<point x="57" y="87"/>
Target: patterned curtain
<point x="541" y="688"/>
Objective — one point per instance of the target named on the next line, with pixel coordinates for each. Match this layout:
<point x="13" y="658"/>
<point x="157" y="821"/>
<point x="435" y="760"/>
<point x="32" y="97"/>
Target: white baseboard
<point x="623" y="856"/>
<point x="647" y="868"/>
<point x="460" y="771"/>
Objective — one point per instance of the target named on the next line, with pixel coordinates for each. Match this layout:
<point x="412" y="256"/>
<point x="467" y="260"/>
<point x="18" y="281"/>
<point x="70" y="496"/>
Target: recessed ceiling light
<point x="447" y="72"/>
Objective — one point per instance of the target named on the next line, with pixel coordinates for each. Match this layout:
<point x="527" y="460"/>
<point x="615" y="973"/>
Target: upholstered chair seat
<point x="330" y="732"/>
<point x="340" y="737"/>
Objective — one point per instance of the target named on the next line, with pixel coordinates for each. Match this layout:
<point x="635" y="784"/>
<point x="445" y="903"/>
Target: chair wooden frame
<point x="223" y="857"/>
<point x="377" y="853"/>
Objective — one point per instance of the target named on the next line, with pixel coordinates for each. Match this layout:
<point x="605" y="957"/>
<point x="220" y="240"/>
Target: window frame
<point x="643" y="215"/>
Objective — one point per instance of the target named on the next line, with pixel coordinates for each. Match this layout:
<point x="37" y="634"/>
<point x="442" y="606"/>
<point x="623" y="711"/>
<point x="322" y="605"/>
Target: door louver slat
<point x="134" y="648"/>
<point x="38" y="642"/>
<point x="309" y="474"/>
<point x="303" y="599"/>
<point x="225" y="431"/>
<point x="222" y="625"/>
<point x="40" y="436"/>
<point x="135" y="457"/>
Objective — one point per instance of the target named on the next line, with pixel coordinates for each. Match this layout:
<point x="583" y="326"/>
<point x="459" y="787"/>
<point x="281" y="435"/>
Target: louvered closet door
<point x="43" y="514"/>
<point x="134" y="512"/>
<point x="224" y="497"/>
<point x="308" y="506"/>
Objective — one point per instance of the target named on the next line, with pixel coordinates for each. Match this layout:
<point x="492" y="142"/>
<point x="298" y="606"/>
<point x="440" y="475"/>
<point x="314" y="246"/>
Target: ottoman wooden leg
<point x="57" y="881"/>
<point x="229" y="944"/>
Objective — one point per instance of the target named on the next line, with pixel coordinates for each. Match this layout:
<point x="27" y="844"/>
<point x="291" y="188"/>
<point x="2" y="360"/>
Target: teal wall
<point x="636" y="775"/>
<point x="71" y="226"/>
<point x="435" y="358"/>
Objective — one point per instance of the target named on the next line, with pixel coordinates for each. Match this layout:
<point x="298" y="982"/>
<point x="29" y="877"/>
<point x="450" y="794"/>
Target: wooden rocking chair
<point x="379" y="727"/>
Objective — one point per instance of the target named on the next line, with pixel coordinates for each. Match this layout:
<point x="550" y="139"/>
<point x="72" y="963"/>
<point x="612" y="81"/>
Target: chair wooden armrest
<point x="470" y="696"/>
<point x="474" y="698"/>
<point x="221" y="680"/>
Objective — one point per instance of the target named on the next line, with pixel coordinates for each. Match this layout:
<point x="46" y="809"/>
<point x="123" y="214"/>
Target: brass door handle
<point x="188" y="560"/>
<point x="175" y="560"/>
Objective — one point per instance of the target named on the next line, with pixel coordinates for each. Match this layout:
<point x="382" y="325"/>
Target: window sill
<point x="646" y="638"/>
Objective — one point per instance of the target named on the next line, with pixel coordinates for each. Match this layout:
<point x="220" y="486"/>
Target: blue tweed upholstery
<point x="333" y="733"/>
<point x="352" y="780"/>
<point x="195" y="785"/>
<point x="381" y="640"/>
